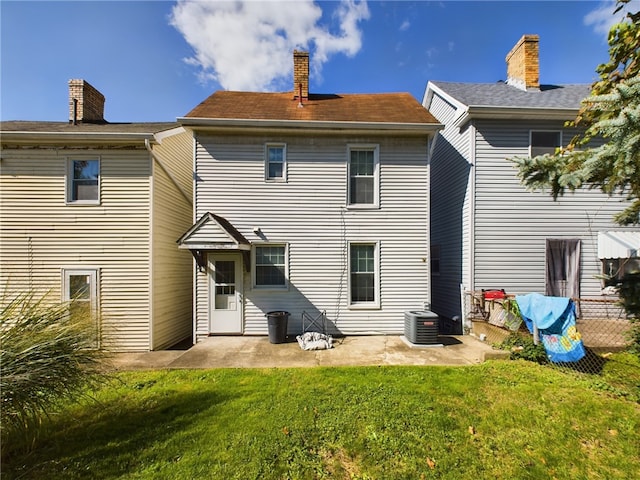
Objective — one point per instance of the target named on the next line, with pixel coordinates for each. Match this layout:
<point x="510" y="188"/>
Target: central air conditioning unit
<point x="421" y="327"/>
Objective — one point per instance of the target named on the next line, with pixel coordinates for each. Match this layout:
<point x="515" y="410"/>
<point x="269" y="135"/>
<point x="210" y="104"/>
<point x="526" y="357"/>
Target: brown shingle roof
<point x="66" y="127"/>
<point x="365" y="108"/>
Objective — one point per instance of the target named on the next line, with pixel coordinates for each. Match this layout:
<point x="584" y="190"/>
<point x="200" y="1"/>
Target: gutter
<point x="514" y="113"/>
<point x="68" y="137"/>
<point x="157" y="159"/>
<point x="328" y="126"/>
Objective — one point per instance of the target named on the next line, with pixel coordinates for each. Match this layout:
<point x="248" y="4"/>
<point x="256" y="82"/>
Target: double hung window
<point x="363" y="269"/>
<point x="363" y="176"/>
<point x="270" y="266"/>
<point x="275" y="165"/>
<point x="83" y="181"/>
<point x="545" y="142"/>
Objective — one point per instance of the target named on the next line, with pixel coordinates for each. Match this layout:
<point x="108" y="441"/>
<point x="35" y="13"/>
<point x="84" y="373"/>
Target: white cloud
<point x="602" y="18"/>
<point x="405" y="26"/>
<point x="248" y="45"/>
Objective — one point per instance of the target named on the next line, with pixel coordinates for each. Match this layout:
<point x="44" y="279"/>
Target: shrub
<point x="523" y="347"/>
<point x="47" y="354"/>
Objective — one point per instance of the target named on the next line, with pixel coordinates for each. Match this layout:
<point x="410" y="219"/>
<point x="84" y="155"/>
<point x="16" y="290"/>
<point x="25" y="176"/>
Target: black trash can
<point x="277" y="322"/>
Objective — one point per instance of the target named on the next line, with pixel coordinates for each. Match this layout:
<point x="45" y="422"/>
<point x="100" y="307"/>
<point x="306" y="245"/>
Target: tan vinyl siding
<point x="41" y="234"/>
<point x="177" y="151"/>
<point x="511" y="224"/>
<point x="171" y="267"/>
<point x="308" y="214"/>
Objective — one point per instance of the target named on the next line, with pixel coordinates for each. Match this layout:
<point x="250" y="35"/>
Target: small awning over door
<point x="620" y="244"/>
<point x="213" y="233"/>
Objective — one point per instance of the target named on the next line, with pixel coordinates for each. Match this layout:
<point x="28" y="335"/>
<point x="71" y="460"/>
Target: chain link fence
<point x="601" y="325"/>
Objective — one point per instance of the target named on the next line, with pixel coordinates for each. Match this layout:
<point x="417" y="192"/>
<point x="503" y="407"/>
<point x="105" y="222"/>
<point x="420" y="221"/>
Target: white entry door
<point x="225" y="282"/>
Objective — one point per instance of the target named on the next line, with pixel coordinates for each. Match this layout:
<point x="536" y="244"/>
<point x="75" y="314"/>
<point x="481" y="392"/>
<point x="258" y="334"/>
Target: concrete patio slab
<point x="258" y="352"/>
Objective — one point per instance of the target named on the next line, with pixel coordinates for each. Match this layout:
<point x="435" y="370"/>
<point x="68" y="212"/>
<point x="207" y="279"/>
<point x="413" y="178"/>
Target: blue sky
<point x="156" y="60"/>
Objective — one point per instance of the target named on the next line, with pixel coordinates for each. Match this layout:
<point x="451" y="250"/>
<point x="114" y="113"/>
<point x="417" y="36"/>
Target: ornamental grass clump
<point x="48" y="353"/>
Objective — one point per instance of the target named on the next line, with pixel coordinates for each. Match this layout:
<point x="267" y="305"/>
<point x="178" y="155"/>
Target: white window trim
<point x="376" y="176"/>
<point x="282" y="179"/>
<point x="535" y="130"/>
<point x="264" y="288"/>
<point x="69" y="181"/>
<point x="375" y="305"/>
<point x="94" y="273"/>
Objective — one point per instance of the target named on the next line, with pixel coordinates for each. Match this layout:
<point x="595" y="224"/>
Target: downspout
<point x="472" y="207"/>
<point x="147" y="144"/>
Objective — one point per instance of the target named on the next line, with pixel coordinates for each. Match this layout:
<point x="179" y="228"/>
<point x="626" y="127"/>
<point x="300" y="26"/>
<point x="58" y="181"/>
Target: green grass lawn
<point x="498" y="420"/>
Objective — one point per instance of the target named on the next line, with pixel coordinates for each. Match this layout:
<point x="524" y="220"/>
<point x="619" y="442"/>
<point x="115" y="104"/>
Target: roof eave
<point x="230" y="124"/>
<point x="115" y="137"/>
<point x="515" y="113"/>
<point x="215" y="246"/>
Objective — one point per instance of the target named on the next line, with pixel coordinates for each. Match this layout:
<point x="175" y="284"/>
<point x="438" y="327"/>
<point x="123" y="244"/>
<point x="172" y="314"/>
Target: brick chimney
<point x="86" y="104"/>
<point x="300" y="75"/>
<point x="523" y="67"/>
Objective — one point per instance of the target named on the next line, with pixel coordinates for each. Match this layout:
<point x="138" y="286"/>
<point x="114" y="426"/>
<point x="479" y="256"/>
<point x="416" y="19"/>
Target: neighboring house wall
<point x="512" y="224"/>
<point x="307" y="212"/>
<point x="451" y="189"/>
<point x="492" y="231"/>
<point x="171" y="269"/>
<point x="42" y="235"/>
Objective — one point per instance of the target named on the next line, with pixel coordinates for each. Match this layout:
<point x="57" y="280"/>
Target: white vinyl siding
<point x="308" y="214"/>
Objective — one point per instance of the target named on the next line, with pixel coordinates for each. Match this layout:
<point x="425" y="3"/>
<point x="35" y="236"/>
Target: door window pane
<point x="80" y="287"/>
<point x="225" y="277"/>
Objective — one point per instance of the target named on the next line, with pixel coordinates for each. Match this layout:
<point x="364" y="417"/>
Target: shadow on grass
<point x="105" y="441"/>
<point x="590" y="363"/>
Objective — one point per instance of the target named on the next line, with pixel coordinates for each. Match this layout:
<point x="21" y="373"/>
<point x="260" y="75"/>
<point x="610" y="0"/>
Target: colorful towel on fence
<point x="555" y="318"/>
